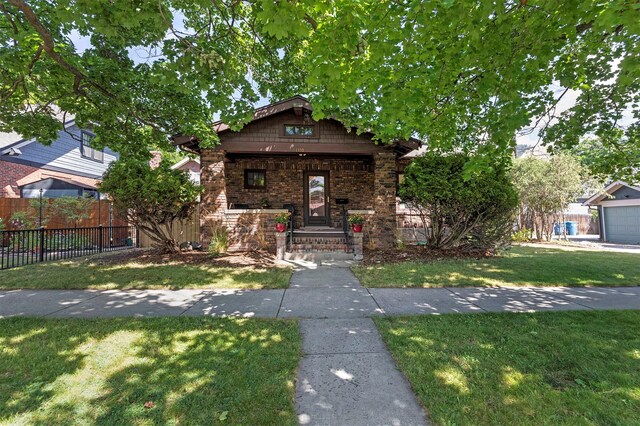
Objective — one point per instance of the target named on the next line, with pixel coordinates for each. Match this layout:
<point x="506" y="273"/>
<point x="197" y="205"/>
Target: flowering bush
<point x="356" y="219"/>
<point x="283" y="217"/>
<point x="21" y="220"/>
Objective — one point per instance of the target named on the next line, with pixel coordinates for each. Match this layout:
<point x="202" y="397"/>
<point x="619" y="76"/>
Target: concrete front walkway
<point x="346" y="375"/>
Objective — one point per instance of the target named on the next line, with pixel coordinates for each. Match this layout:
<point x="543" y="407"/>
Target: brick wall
<point x="214" y="198"/>
<point x="352" y="179"/>
<point x="384" y="221"/>
<point x="191" y="166"/>
<point x="10" y="173"/>
<point x="251" y="230"/>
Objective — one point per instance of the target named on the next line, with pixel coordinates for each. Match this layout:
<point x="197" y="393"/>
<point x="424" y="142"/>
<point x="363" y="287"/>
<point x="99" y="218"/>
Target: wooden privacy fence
<point x="100" y="213"/>
<point x="183" y="230"/>
<point x="587" y="224"/>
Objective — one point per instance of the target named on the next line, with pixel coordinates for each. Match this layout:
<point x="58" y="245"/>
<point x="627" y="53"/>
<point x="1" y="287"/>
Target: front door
<point x="316" y="198"/>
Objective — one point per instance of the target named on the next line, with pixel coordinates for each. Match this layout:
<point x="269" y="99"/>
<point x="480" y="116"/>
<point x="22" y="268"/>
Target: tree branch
<point x="20" y="79"/>
<point x="49" y="46"/>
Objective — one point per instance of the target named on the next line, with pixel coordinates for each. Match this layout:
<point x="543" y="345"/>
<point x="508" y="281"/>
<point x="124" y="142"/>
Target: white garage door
<point x="622" y="224"/>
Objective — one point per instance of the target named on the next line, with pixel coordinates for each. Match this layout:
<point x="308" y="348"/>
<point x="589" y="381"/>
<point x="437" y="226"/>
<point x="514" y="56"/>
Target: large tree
<point x="165" y="65"/>
<point x="470" y="74"/>
<point x="464" y="75"/>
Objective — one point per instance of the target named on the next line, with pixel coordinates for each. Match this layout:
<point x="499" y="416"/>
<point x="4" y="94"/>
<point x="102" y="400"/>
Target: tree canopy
<point x="463" y="75"/>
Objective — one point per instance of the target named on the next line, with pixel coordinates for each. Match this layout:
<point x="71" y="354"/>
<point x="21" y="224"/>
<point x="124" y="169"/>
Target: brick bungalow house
<point x="283" y="159"/>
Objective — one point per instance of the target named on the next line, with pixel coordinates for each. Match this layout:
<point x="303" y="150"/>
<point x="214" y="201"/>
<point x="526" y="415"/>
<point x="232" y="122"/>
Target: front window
<point x="299" y="130"/>
<point x="255" y="179"/>
<point x="87" y="150"/>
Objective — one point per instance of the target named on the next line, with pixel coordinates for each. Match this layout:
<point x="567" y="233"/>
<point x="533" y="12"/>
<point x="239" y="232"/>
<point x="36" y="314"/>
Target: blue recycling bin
<point x="572" y="228"/>
<point x="558" y="228"/>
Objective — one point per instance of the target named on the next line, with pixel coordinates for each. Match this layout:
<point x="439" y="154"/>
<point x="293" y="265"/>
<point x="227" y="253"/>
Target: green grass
<point x="521" y="266"/>
<point x="576" y="368"/>
<point x="193" y="370"/>
<point x="83" y="274"/>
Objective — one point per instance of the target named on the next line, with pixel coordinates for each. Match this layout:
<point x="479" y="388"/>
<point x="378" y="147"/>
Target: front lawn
<point x="524" y="369"/>
<point x="521" y="266"/>
<point x="148" y="371"/>
<point x="92" y="273"/>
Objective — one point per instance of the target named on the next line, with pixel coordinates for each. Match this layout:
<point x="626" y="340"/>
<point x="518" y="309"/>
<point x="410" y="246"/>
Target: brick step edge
<point x="311" y="248"/>
<point x="335" y="240"/>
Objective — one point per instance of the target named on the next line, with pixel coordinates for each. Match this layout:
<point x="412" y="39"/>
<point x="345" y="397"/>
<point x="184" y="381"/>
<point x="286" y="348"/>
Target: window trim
<point x="314" y="135"/>
<point x="246" y="179"/>
<point x="88" y="147"/>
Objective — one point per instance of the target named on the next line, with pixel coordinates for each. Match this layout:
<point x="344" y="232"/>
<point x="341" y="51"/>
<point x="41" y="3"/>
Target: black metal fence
<point x="24" y="247"/>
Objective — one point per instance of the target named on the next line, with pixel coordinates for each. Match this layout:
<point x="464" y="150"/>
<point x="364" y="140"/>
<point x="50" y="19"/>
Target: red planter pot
<point x="281" y="227"/>
<point x="357" y="227"/>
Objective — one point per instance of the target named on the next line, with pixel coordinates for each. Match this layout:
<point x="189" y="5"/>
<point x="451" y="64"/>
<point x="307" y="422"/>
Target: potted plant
<point x="264" y="202"/>
<point x="282" y="219"/>
<point x="356" y="221"/>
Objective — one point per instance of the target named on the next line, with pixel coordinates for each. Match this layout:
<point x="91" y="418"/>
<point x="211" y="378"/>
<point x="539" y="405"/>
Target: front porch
<point x="321" y="193"/>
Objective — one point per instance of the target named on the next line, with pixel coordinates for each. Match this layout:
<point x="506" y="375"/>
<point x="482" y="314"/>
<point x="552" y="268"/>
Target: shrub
<point x="458" y="211"/>
<point x="219" y="237"/>
<point x="72" y="209"/>
<point x="522" y="236"/>
<point x="152" y="198"/>
<point x="545" y="188"/>
<point x="22" y="220"/>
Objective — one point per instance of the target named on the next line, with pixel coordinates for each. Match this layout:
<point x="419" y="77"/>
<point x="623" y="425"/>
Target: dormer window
<point x="300" y="130"/>
<point x="87" y="151"/>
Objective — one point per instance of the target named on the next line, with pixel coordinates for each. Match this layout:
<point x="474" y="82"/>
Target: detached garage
<point x="619" y="212"/>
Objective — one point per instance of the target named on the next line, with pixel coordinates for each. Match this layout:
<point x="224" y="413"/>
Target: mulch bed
<point x="258" y="259"/>
<point x="420" y="254"/>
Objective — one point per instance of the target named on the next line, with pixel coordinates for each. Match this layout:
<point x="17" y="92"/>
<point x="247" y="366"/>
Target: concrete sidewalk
<point x="324" y="296"/>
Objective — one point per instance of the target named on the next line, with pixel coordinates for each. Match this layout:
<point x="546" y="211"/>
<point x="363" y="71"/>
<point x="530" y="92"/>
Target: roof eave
<point x="596" y="199"/>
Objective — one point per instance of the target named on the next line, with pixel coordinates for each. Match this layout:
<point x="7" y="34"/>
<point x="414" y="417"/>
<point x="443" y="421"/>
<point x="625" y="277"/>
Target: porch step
<point x="338" y="239"/>
<point x="316" y="234"/>
<point x="319" y="257"/>
<point x="326" y="247"/>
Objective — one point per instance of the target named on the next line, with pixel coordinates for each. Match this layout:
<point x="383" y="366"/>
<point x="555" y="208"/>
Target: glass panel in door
<point x="317" y="204"/>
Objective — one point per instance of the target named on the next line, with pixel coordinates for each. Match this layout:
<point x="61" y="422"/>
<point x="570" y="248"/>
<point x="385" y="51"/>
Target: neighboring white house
<point x="191" y="165"/>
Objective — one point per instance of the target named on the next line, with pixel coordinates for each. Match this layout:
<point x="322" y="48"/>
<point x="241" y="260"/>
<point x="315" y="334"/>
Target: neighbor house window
<point x="299" y="130"/>
<point x="255" y="179"/>
<point x="87" y="150"/>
